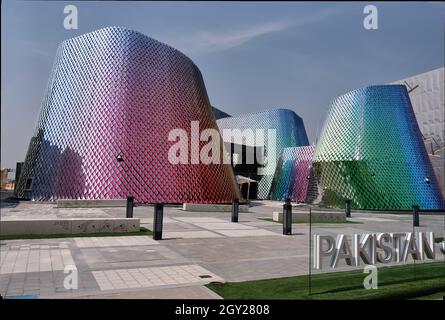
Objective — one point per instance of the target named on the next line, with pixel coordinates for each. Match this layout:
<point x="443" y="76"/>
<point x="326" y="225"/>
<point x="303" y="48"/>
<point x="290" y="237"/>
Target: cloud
<point x="219" y="42"/>
<point x="207" y="41"/>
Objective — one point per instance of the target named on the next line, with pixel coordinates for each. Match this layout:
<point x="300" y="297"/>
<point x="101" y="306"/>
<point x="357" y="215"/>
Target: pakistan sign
<point x="373" y="248"/>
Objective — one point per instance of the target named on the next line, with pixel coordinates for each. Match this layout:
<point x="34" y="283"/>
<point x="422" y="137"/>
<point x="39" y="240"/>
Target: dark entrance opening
<point x="245" y="161"/>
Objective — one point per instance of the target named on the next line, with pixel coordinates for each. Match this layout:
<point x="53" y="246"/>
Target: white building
<point x="426" y="92"/>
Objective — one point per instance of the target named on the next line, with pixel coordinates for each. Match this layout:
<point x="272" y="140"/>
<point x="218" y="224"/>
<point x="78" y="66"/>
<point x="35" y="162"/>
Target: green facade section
<point x="371" y="152"/>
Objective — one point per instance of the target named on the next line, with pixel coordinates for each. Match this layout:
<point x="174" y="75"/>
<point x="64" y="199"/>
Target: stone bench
<point x="91" y="203"/>
<point x="204" y="207"/>
<point x="70" y="225"/>
<point x="316" y="216"/>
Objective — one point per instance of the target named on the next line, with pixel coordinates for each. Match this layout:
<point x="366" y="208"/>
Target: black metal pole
<point x="287" y="218"/>
<point x="348" y="208"/>
<point x="157" y="221"/>
<point x="310" y="251"/>
<point x="235" y="210"/>
<point x="130" y="205"/>
<point x="416" y="216"/>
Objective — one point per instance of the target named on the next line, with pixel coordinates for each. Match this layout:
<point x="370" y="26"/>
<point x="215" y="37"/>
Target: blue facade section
<point x="290" y="132"/>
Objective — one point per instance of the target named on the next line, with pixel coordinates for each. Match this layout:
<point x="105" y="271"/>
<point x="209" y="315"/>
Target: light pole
<point x="416" y="208"/>
<point x="235" y="210"/>
<point x="130" y="199"/>
<point x="157" y="221"/>
<point x="348" y="208"/>
<point x="287" y="217"/>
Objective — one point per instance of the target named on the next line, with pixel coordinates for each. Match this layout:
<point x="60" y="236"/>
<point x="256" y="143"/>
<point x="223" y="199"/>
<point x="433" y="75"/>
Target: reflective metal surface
<point x="290" y="132"/>
<point x="291" y="175"/>
<point x="371" y="151"/>
<point x="115" y="92"/>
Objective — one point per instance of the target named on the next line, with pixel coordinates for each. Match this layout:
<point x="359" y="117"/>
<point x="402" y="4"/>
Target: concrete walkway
<point x="198" y="248"/>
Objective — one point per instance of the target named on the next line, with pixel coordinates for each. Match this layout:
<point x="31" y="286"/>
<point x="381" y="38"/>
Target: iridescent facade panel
<point x="291" y="177"/>
<point x="118" y="93"/>
<point x="371" y="152"/>
<point x="289" y="132"/>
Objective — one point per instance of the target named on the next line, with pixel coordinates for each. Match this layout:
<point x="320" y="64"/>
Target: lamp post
<point x="130" y="205"/>
<point x="287" y="217"/>
<point x="416" y="209"/>
<point x="158" y="216"/>
<point x="235" y="210"/>
<point x="130" y="199"/>
<point x="416" y="216"/>
<point x="348" y="208"/>
<point x="157" y="221"/>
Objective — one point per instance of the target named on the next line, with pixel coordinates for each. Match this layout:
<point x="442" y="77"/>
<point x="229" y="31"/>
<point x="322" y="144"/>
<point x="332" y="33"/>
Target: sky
<point x="253" y="55"/>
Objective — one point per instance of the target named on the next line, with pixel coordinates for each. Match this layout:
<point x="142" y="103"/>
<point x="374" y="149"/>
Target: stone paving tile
<point x="94" y="242"/>
<point x="189" y="235"/>
<point x="214" y="226"/>
<point x="189" y="292"/>
<point x="375" y="219"/>
<point x="128" y="257"/>
<point x="176" y="226"/>
<point x="165" y="220"/>
<point x="248" y="233"/>
<point x="152" y="277"/>
<point x="36" y="258"/>
<point x="256" y="269"/>
<point x="236" y="255"/>
<point x="260" y="223"/>
<point x="194" y="220"/>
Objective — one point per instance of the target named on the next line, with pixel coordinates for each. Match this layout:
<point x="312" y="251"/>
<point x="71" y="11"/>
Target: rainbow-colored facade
<point x="371" y="152"/>
<point x="117" y="94"/>
<point x="292" y="174"/>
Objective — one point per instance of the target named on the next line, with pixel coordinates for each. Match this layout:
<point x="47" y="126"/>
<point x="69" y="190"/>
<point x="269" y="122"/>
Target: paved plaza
<point x="197" y="248"/>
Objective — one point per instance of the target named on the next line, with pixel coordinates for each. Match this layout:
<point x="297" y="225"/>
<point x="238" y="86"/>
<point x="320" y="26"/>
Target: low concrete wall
<point x="91" y="203"/>
<point x="72" y="225"/>
<point x="316" y="216"/>
<point x="204" y="207"/>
